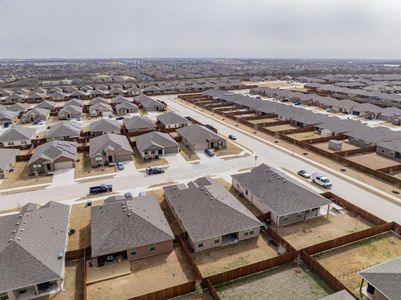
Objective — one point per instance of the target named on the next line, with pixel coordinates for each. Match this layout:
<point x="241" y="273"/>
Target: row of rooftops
<point x="350" y="128"/>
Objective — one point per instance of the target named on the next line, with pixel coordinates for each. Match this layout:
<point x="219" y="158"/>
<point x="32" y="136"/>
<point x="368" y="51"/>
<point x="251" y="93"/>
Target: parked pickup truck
<point x="103" y="188"/>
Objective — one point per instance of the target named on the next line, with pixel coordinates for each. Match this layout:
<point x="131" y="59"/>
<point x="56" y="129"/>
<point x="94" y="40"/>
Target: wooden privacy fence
<point x="252" y="268"/>
<point x="275" y="236"/>
<point x="212" y="290"/>
<point x="169" y="292"/>
<point x="353" y="208"/>
<point x="349" y="238"/>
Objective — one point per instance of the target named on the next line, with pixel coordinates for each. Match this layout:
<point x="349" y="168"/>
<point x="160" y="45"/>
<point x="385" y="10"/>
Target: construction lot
<point x="147" y="275"/>
<point x="313" y="231"/>
<point x="373" y="161"/>
<point x="346" y="261"/>
<point x="218" y="260"/>
<point x="286" y="282"/>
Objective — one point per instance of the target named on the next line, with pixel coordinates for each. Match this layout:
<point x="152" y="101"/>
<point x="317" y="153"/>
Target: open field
<point x="73" y="283"/>
<point x="140" y="163"/>
<point x="281" y="127"/>
<point x="285" y="282"/>
<point x="344" y="262"/>
<point x="321" y="229"/>
<point x="83" y="167"/>
<point x="19" y="177"/>
<point x="222" y="259"/>
<point x="147" y="275"/>
<point x="373" y="161"/>
<point x="346" y="147"/>
<point x="305" y="135"/>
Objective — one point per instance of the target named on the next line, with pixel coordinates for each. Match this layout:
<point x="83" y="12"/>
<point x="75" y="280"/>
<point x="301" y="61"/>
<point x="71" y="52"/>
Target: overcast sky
<point x="200" y="28"/>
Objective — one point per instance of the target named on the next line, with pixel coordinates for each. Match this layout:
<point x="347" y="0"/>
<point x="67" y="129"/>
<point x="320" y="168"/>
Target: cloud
<point x="207" y="28"/>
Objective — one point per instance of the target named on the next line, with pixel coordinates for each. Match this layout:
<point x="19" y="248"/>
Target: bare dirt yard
<point x="195" y="296"/>
<point x="19" y="177"/>
<point x="346" y="147"/>
<point x="187" y="153"/>
<point x="231" y="149"/>
<point x="221" y="259"/>
<point x="281" y="127"/>
<point x="321" y="229"/>
<point x="286" y="282"/>
<point x="305" y="135"/>
<point x="373" y="161"/>
<point x="80" y="221"/>
<point x="344" y="262"/>
<point x="73" y="283"/>
<point x="83" y="167"/>
<point x="147" y="275"/>
<point x="260" y="121"/>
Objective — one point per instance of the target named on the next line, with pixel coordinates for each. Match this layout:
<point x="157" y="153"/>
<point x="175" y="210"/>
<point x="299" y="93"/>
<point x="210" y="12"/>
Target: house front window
<point x="200" y="245"/>
<point x="133" y="252"/>
<point x="152" y="248"/>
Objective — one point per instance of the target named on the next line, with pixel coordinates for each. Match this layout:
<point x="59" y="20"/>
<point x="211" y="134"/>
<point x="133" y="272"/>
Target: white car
<point x="321" y="180"/>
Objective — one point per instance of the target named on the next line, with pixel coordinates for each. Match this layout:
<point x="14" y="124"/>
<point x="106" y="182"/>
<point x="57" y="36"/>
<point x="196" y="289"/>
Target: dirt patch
<point x="321" y="229"/>
<point x="147" y="275"/>
<point x="231" y="149"/>
<point x="221" y="259"/>
<point x="284" y="282"/>
<point x="140" y="163"/>
<point x="346" y="147"/>
<point x="260" y="121"/>
<point x="83" y="167"/>
<point x="304" y="135"/>
<point x="187" y="153"/>
<point x="19" y="177"/>
<point x="344" y="262"/>
<point x="373" y="161"/>
<point x="281" y="127"/>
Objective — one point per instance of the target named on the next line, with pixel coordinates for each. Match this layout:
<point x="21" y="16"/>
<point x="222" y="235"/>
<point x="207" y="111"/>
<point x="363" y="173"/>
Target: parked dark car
<point x="120" y="118"/>
<point x="209" y="152"/>
<point x="232" y="137"/>
<point x="103" y="188"/>
<point x="304" y="174"/>
<point x="120" y="166"/>
<point x="154" y="171"/>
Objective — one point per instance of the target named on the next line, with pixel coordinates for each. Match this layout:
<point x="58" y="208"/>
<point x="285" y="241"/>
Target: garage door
<point x="63" y="165"/>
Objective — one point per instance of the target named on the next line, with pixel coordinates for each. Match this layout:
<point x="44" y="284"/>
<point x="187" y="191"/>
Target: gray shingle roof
<point x="196" y="134"/>
<point x="64" y="129"/>
<point x="127" y="224"/>
<point x="139" y="123"/>
<point x="209" y="211"/>
<point x="170" y="118"/>
<point x="127" y="105"/>
<point x="17" y="133"/>
<point x="280" y="193"/>
<point x="158" y="139"/>
<point x="112" y="141"/>
<point x="148" y="102"/>
<point x="54" y="150"/>
<point x="6" y="156"/>
<point x="104" y="125"/>
<point x="386" y="278"/>
<point x="341" y="295"/>
<point x="30" y="243"/>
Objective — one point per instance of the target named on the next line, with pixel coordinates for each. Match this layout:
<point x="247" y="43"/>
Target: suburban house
<point x="383" y="280"/>
<point x="103" y="126"/>
<point x="133" y="91"/>
<point x="78" y="94"/>
<point x="35" y="115"/>
<point x="8" y="116"/>
<point x="125" y="107"/>
<point x="390" y="149"/>
<point x="171" y="120"/>
<point x="197" y="137"/>
<point x="139" y="124"/>
<point x="75" y="102"/>
<point x="32" y="251"/>
<point x="209" y="215"/>
<point x="17" y="136"/>
<point x="7" y="161"/>
<point x="98" y="100"/>
<point x="274" y="193"/>
<point x="67" y="130"/>
<point x="52" y="156"/>
<point x="344" y="106"/>
<point x="117" y="92"/>
<point x="366" y="136"/>
<point x="108" y="149"/>
<point x="98" y="93"/>
<point x="70" y="112"/>
<point x="19" y="107"/>
<point x="390" y="114"/>
<point x="50" y="105"/>
<point x="119" y="99"/>
<point x="149" y="104"/>
<point x="14" y="98"/>
<point x="100" y="110"/>
<point x="156" y="144"/>
<point x="129" y="229"/>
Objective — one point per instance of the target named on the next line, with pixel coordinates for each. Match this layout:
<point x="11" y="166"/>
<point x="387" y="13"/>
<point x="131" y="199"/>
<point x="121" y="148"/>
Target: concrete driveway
<point x="63" y="177"/>
<point x="176" y="160"/>
<point x="129" y="169"/>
